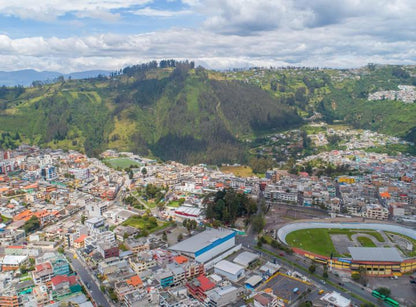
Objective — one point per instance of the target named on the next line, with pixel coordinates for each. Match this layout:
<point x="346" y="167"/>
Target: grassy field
<point x="314" y="240"/>
<point x="240" y="171"/>
<point x="350" y="232"/>
<point x="319" y="240"/>
<point x="174" y="204"/>
<point x="147" y="223"/>
<point x="121" y="162"/>
<point x="366" y="242"/>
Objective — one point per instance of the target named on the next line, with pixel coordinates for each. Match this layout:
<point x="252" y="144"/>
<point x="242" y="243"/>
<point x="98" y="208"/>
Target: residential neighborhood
<point x="79" y="230"/>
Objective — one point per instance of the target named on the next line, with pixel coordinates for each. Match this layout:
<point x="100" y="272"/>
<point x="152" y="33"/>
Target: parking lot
<point x="401" y="289"/>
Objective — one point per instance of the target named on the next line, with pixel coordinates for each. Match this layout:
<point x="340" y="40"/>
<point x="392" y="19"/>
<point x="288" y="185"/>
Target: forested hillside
<point x="175" y="111"/>
<point x="171" y="110"/>
<point x="342" y="95"/>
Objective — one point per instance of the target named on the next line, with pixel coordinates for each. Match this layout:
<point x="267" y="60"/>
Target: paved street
<point x="288" y="260"/>
<point x="86" y="278"/>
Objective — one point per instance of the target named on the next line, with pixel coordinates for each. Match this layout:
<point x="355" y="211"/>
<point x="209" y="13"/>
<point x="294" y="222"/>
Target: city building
<point x="230" y="270"/>
<point x="207" y="244"/>
<point x="221" y="296"/>
<point x="336" y="300"/>
<point x="198" y="287"/>
<point x="43" y="273"/>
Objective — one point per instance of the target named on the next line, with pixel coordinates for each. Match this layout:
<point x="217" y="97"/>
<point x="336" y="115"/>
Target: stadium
<point x="380" y="249"/>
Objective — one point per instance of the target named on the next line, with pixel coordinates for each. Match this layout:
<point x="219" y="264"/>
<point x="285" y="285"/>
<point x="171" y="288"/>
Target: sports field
<point x="239" y="171"/>
<point x="121" y="162"/>
<point x="313" y="240"/>
<point x="319" y="241"/>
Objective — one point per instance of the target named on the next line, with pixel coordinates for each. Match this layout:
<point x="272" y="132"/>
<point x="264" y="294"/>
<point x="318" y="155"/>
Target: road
<point x="95" y="292"/>
<point x="289" y="261"/>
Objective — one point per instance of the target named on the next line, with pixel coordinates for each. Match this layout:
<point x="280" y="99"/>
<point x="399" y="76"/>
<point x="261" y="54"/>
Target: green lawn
<point x="147" y="223"/>
<point x="314" y="240"/>
<point x="366" y="242"/>
<point x="121" y="162"/>
<point x="142" y="222"/>
<point x="174" y="204"/>
<point x="319" y="240"/>
<point x="350" y="232"/>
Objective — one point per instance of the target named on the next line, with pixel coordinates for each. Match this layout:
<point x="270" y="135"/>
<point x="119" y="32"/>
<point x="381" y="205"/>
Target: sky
<point x="78" y="35"/>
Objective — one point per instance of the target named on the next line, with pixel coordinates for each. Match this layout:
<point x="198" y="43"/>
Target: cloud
<point x="249" y="17"/>
<point x="147" y="11"/>
<point x="232" y="33"/>
<point x="340" y="45"/>
<point x="48" y="10"/>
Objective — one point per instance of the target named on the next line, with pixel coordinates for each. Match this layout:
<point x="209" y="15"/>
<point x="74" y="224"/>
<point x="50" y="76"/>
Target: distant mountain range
<point x="27" y="76"/>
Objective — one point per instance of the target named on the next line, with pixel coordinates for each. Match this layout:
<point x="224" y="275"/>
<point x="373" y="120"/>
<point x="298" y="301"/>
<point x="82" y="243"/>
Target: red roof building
<point x="198" y="286"/>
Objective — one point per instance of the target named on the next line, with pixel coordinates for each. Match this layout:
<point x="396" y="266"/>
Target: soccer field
<point x="122" y="162"/>
<point x="313" y="240"/>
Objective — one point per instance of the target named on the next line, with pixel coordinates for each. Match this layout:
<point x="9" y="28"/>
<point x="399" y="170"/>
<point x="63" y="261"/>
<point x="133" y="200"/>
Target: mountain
<point x="341" y="95"/>
<point x="27" y="76"/>
<point x="175" y="113"/>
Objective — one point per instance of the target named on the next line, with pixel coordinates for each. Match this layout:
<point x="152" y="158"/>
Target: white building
<point x="206" y="245"/>
<point x="376" y="211"/>
<point x="221" y="296"/>
<point x="335" y="299"/>
<point x="230" y="270"/>
<point x="96" y="209"/>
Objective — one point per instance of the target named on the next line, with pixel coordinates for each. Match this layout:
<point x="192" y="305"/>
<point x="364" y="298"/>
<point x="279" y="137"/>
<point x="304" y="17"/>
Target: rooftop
<point x="245" y="258"/>
<point x="229" y="267"/>
<point x="254" y="280"/>
<point x="336" y="299"/>
<point x="201" y="240"/>
<point x="375" y="254"/>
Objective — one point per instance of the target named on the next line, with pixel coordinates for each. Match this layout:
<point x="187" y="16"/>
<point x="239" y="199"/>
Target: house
<point x="43" y="273"/>
<point x="12" y="263"/>
<point x="79" y="242"/>
<point x="137" y="245"/>
<point x="127" y="286"/>
<point x="107" y="250"/>
<point x="263" y="299"/>
<point x="63" y="285"/>
<point x="198" y="286"/>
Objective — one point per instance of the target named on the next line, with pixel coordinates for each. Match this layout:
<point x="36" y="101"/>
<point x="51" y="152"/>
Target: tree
<point x="144" y="172"/>
<point x="259" y="243"/>
<point x="32" y="224"/>
<point x="180" y="237"/>
<point x="312" y="268"/>
<point x="164" y="236"/>
<point x="384" y="291"/>
<point x="258" y="223"/>
<point x="83" y="218"/>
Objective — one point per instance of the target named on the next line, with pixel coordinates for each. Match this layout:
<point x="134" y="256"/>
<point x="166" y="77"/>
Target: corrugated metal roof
<point x="375" y="254"/>
<point x="228" y="267"/>
<point x="245" y="258"/>
<point x="201" y="240"/>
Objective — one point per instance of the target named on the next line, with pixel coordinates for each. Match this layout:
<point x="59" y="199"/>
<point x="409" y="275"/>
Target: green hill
<point x="177" y="113"/>
<point x="174" y="111"/>
<point x="342" y="95"/>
